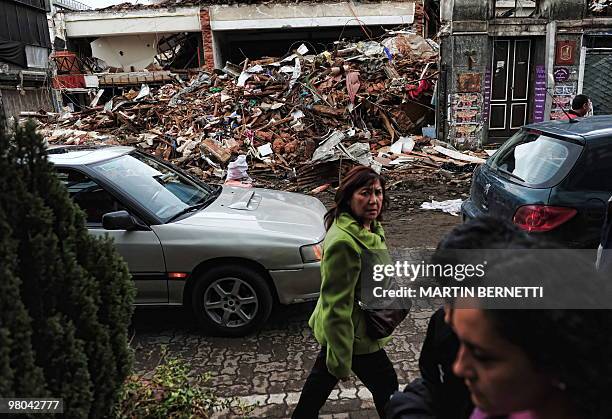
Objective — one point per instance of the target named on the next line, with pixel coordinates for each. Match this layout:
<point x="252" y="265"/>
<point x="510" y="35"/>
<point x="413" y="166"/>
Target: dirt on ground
<point x="406" y="224"/>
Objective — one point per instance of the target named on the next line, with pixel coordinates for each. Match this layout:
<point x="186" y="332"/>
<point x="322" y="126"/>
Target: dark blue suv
<point x="552" y="179"/>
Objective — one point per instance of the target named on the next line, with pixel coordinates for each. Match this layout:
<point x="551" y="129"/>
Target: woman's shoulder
<point x="338" y="237"/>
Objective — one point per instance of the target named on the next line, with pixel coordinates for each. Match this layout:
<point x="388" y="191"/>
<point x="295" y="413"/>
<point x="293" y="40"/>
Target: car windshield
<point x="157" y="187"/>
<point x="535" y="159"/>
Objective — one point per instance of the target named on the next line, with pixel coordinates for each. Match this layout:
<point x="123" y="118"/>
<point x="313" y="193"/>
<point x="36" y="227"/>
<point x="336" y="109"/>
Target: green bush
<point x="65" y="296"/>
<point x="173" y="393"/>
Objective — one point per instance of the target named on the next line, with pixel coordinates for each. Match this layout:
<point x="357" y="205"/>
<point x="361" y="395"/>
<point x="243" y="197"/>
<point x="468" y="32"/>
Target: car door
<point x="141" y="250"/>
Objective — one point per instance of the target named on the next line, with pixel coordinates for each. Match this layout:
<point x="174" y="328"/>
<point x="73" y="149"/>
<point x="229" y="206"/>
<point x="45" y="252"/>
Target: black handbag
<point x="381" y="322"/>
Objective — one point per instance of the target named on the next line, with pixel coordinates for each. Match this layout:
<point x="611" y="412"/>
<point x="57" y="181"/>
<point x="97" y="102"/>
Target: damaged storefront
<point x="184" y="37"/>
<point x="295" y="122"/>
<point x="109" y="51"/>
<point x="506" y="64"/>
<point x="24" y="51"/>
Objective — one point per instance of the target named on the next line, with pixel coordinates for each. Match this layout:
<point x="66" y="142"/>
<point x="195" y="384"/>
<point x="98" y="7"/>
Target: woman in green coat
<point x="353" y="226"/>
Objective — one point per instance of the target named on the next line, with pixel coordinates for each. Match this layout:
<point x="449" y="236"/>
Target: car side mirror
<point x="120" y="220"/>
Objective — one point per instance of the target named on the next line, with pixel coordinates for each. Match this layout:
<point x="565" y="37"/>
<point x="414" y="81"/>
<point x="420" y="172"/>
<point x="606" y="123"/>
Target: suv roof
<point x="590" y="128"/>
<point x="80" y="155"/>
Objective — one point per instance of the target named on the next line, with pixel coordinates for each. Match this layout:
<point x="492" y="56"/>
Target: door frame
<point x="501" y="134"/>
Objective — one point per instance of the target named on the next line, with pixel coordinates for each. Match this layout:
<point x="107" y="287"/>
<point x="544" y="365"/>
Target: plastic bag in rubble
<point x="452" y="206"/>
<point x="237" y="170"/>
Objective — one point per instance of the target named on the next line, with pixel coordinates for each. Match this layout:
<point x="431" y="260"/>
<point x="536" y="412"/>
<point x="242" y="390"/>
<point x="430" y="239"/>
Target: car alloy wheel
<point x="231" y="302"/>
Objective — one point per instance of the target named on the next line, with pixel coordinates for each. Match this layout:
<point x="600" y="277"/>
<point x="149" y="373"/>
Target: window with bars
<point x="515" y="8"/>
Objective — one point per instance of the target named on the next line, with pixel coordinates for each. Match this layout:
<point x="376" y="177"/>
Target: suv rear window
<point x="535" y="159"/>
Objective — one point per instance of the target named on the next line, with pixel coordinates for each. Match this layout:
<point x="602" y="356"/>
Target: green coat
<point x="338" y="323"/>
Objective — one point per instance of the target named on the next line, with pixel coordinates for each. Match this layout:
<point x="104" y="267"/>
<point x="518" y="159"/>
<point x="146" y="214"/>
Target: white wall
<point x="310" y="15"/>
<point x="136" y="51"/>
<point x="132" y="22"/>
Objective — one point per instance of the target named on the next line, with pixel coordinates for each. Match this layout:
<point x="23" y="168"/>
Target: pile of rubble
<point x="600" y="7"/>
<point x="302" y="118"/>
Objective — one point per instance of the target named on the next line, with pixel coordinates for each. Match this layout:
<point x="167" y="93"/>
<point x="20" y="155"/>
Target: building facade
<point x="508" y="63"/>
<point x="24" y="57"/>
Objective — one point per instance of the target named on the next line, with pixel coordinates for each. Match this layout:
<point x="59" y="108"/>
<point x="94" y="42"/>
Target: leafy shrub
<point x="173" y="393"/>
<point x="65" y="296"/>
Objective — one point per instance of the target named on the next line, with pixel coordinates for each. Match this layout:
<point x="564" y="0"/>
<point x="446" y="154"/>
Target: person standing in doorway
<point x="581" y="107"/>
<point x="353" y="227"/>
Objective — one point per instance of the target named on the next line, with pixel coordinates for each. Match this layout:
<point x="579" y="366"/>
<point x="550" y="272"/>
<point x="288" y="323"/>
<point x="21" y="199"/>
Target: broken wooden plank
<point x="458" y="156"/>
<point x="211" y="147"/>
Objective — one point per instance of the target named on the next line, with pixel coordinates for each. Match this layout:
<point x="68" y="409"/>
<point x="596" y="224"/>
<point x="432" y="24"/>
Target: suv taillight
<point x="539" y="218"/>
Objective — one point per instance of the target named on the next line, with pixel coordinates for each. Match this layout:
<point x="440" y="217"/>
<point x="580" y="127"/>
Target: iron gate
<point x="597" y="83"/>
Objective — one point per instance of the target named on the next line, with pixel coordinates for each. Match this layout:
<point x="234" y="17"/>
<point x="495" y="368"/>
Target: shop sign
<point x="565" y="53"/>
<point x="561" y="74"/>
<point x="539" y="102"/>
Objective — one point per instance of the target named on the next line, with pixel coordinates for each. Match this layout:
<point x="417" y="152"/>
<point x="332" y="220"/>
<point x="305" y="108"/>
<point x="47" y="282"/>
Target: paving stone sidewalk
<point x="269" y="368"/>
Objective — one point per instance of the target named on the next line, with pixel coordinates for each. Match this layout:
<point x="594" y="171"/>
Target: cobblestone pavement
<point x="268" y="369"/>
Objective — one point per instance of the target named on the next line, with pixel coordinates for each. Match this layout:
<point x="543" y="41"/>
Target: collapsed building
<point x="140" y="43"/>
<point x="297" y="116"/>
<point x="338" y="82"/>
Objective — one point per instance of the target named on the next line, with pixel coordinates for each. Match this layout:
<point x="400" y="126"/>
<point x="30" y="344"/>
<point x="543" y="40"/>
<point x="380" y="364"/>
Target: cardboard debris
<point x="264" y="150"/>
<point x="459" y="156"/>
<point x="210" y="146"/>
<point x="403" y="145"/>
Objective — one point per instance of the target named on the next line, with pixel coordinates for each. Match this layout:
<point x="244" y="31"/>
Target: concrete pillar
<point x="207" y="39"/>
<point x="464" y="59"/>
<point x="419" y="17"/>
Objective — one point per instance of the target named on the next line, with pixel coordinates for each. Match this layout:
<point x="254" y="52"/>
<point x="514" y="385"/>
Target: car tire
<point x="231" y="300"/>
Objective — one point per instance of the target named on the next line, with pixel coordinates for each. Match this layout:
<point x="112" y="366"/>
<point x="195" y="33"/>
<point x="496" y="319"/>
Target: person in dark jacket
<point x="439" y="393"/>
<point x="581" y="107"/>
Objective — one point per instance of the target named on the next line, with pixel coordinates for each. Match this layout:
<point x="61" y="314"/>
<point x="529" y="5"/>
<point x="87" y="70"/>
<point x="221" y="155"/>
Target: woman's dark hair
<point x="579" y="101"/>
<point x="356" y="178"/>
<point x="572" y="346"/>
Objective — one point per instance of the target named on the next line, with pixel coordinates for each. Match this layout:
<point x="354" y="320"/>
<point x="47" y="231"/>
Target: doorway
<point x="510" y="87"/>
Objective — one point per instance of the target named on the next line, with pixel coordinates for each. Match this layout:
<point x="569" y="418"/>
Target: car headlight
<point x="312" y="252"/>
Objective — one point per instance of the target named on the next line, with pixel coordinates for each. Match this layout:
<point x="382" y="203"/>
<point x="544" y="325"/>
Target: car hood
<point x="286" y="213"/>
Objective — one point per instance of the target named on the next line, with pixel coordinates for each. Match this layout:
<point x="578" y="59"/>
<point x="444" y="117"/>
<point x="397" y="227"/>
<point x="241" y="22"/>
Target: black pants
<point x="374" y="370"/>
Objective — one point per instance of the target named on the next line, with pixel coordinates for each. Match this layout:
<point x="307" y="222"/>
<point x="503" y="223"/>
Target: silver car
<point x="229" y="254"/>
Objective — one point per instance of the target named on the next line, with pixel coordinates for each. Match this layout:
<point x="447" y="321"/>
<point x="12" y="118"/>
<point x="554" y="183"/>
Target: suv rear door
<point x="523" y="172"/>
<point x="500" y="196"/>
<point x="588" y="189"/>
<point x="141" y="250"/>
